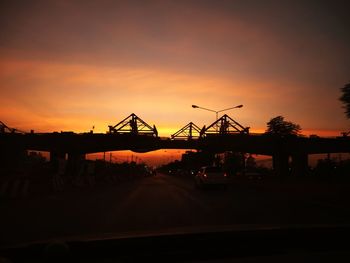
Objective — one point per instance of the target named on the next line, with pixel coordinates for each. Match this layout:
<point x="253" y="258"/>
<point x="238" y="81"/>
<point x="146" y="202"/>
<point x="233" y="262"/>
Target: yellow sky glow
<point x="76" y="97"/>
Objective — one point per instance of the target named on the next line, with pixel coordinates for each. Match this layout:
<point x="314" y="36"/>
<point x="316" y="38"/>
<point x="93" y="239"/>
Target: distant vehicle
<point x="253" y="175"/>
<point x="211" y="175"/>
<point x="149" y="171"/>
<point x="192" y="172"/>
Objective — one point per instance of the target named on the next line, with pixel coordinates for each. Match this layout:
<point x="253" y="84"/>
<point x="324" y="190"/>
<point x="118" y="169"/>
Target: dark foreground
<point x="172" y="204"/>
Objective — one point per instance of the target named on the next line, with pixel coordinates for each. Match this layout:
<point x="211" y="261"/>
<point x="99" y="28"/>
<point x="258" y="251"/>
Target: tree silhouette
<point x="279" y="126"/>
<point x="345" y="99"/>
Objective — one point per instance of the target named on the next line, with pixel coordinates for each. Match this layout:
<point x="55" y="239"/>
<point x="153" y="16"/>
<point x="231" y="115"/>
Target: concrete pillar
<point x="56" y="161"/>
<point x="299" y="164"/>
<point x="57" y="155"/>
<point x="75" y="163"/>
<point x="280" y="164"/>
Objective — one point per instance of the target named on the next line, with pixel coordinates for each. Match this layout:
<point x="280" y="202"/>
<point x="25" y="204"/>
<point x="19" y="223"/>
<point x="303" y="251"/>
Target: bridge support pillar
<point x="54" y="156"/>
<point x="280" y="164"/>
<point x="299" y="164"/>
<point x="57" y="161"/>
<point x="75" y="163"/>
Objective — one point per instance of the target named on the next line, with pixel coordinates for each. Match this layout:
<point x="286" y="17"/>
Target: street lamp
<point x="216" y="111"/>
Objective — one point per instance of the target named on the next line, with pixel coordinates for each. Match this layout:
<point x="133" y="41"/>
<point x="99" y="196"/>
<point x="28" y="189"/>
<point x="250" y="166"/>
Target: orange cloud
<point x="56" y="96"/>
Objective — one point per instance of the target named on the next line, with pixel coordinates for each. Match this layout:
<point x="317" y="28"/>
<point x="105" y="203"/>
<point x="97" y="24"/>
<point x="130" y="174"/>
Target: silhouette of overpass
<point x="136" y="135"/>
<point x="249" y="143"/>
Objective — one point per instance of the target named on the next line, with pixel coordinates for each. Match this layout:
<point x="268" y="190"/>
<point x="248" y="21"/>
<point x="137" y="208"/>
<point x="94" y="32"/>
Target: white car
<point x="211" y="175"/>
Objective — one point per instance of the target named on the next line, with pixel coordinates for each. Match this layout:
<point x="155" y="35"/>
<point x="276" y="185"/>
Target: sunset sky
<point x="71" y="65"/>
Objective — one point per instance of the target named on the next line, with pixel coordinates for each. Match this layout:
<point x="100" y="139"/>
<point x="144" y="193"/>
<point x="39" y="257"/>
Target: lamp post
<point x="216" y="111"/>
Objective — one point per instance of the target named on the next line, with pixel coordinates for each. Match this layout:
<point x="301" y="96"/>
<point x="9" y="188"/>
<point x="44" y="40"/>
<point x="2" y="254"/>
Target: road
<point x="167" y="203"/>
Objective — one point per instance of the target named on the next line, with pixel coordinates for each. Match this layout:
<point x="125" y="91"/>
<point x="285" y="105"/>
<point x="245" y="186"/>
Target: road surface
<point x="167" y="203"/>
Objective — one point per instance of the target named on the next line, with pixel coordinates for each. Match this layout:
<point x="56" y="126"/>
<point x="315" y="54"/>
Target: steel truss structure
<point x="224" y="125"/>
<point x="133" y="125"/>
<point x="189" y="132"/>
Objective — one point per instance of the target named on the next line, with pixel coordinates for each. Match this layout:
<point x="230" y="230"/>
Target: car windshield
<point x="113" y="114"/>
